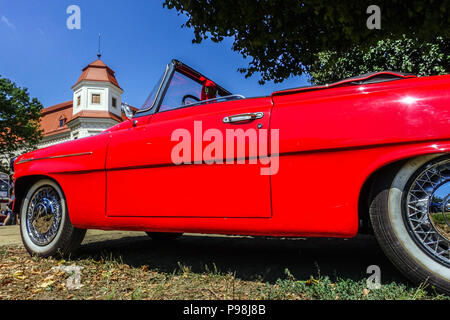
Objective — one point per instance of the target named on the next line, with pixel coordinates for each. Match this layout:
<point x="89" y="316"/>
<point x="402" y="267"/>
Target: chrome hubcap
<point x="428" y="210"/>
<point x="44" y="215"/>
<point x="439" y="210"/>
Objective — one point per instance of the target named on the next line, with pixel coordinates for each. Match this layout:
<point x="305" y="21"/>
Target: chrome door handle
<point x="243" y="117"/>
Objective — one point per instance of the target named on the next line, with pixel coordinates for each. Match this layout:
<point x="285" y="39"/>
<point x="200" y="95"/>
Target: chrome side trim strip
<point x="55" y="157"/>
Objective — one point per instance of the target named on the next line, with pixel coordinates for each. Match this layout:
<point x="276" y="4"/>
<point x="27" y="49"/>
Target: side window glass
<point x="182" y="91"/>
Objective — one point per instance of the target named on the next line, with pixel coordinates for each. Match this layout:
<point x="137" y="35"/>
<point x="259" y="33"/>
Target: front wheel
<point x="45" y="225"/>
<point x="410" y="214"/>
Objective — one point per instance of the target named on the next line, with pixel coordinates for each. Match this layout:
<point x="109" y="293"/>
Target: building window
<point x="78" y="101"/>
<point x="96" y="98"/>
<point x="114" y="102"/>
<point x="62" y="122"/>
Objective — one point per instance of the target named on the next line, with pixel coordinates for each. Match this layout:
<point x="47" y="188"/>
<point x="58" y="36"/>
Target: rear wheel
<point x="164" y="236"/>
<point x="45" y="225"/>
<point x="410" y="214"/>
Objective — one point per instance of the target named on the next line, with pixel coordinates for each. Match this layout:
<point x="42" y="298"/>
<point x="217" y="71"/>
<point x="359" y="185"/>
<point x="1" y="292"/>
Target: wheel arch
<point x="23" y="184"/>
<point x="389" y="167"/>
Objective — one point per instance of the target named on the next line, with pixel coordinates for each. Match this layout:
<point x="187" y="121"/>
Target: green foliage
<point x="346" y="289"/>
<point x="19" y="121"/>
<point x="285" y="38"/>
<point x="404" y="55"/>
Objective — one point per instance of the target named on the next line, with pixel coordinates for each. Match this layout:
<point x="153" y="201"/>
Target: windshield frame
<point x="173" y="66"/>
<point x="170" y="69"/>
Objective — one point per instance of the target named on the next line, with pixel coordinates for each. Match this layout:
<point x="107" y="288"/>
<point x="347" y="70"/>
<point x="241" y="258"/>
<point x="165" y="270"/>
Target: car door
<point x="144" y="179"/>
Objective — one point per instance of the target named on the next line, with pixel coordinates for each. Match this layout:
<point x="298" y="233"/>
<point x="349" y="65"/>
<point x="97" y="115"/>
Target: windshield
<point x="180" y="86"/>
<point x="152" y="96"/>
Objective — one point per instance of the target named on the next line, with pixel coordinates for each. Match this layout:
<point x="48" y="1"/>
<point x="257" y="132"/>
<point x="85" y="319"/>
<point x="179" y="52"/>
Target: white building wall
<point x="54" y="139"/>
<point x="106" y="90"/>
<point x="86" y="127"/>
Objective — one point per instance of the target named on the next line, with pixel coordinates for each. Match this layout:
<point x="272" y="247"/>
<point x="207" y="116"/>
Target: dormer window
<point x="62" y="122"/>
<point x="96" y="98"/>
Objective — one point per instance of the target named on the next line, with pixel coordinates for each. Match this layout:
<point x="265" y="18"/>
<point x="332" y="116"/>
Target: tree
<point x="284" y="38"/>
<point x="405" y="55"/>
<point x="19" y="122"/>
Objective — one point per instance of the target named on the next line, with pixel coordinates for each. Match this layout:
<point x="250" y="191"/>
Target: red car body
<point x="332" y="140"/>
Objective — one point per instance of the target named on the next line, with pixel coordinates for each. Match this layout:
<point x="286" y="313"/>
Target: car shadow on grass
<point x="251" y="258"/>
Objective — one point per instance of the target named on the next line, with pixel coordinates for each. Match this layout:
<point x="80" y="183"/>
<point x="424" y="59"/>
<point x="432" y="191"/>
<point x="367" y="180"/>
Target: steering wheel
<point x="189" y="96"/>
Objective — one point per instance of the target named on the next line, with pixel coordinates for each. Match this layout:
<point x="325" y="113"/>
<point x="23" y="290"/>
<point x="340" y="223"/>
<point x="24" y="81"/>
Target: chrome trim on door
<point x="55" y="157"/>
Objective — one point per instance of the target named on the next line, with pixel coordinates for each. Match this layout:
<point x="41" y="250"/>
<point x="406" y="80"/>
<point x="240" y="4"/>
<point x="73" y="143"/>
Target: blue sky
<point x="139" y="37"/>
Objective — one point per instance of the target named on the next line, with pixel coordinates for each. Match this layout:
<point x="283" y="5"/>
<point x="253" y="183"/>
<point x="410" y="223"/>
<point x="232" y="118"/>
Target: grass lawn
<point x="108" y="277"/>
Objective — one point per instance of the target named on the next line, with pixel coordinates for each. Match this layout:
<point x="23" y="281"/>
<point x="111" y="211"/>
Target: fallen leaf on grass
<point x="38" y="290"/>
<point x="49" y="278"/>
<point x="365" y="292"/>
<point x="36" y="271"/>
<point x="46" y="284"/>
<point x="19" y="275"/>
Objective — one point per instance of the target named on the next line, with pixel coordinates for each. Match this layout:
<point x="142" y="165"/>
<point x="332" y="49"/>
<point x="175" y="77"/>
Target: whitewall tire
<point x="403" y="214"/>
<point x="45" y="225"/>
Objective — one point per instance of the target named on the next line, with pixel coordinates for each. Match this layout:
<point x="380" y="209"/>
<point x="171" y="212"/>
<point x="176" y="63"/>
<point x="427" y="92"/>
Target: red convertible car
<point x="366" y="154"/>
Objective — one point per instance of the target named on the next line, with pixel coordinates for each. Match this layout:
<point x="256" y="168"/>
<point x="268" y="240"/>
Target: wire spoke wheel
<point x="44" y="214"/>
<point x="427" y="213"/>
<point x="45" y="228"/>
<point x="409" y="212"/>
